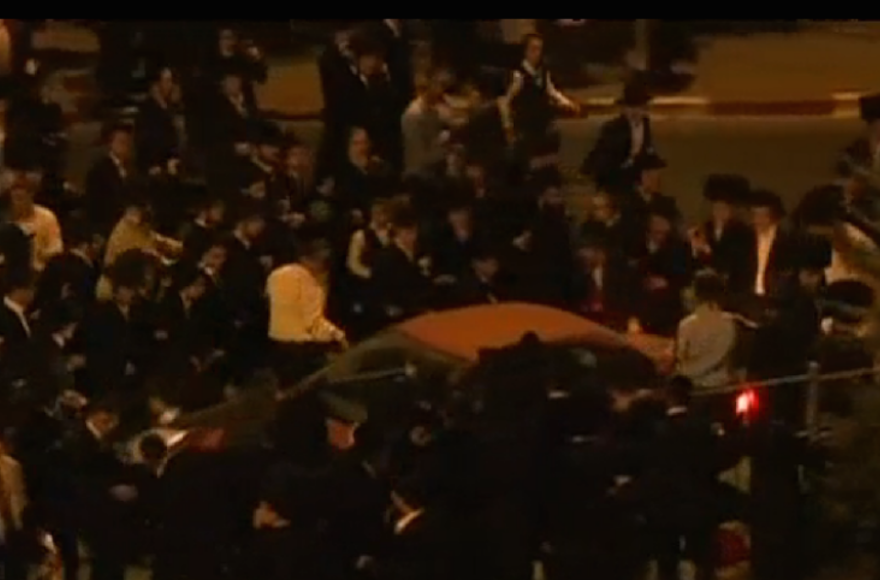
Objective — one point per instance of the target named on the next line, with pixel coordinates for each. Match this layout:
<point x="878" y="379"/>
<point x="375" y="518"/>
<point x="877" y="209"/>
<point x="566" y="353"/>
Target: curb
<point x="80" y="85"/>
<point x="839" y="105"/>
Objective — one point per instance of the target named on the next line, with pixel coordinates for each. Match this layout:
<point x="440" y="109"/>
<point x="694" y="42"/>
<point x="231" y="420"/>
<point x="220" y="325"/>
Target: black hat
<point x="869" y="107"/>
<point x="664" y="207"/>
<point x="848" y="300"/>
<point x="820" y="206"/>
<point x="768" y="199"/>
<point x="635" y="94"/>
<point x="814" y="253"/>
<point x="647" y="162"/>
<point x="248" y="209"/>
<point x="726" y="188"/>
<point x="365" y="44"/>
<point x="593" y="235"/>
<point x="268" y="133"/>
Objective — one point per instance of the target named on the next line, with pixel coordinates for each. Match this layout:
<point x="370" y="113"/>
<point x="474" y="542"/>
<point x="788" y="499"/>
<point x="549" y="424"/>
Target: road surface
<point x="788" y="155"/>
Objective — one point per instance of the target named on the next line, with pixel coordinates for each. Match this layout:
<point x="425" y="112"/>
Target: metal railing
<point x="812" y="380"/>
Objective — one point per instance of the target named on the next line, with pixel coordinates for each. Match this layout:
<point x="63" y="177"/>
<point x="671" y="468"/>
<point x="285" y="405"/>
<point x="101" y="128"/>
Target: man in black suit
<point x="111" y="180"/>
<point x="604" y="284"/>
<point x="645" y="195"/>
<point x="73" y="274"/>
<point x="111" y="341"/>
<point x="99" y="490"/>
<point x="15" y="343"/>
<point x="678" y="486"/>
<point x="483" y="282"/>
<point x="401" y="283"/>
<point x="394" y="38"/>
<point x="339" y="75"/>
<point x="719" y="241"/>
<point x="767" y="262"/>
<point x="156" y="138"/>
<point x="621" y="141"/>
<point x="243" y="283"/>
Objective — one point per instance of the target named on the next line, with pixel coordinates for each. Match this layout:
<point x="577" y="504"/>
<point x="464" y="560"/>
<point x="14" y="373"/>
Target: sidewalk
<point x="820" y="71"/>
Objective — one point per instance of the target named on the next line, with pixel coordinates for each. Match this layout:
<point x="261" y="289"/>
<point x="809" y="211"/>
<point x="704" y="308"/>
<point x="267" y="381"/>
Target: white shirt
<point x="14" y="486"/>
<point x="45" y="232"/>
<point x="765" y="246"/>
<point x="297" y="301"/>
<point x="18" y="310"/>
<point x="637" y="137"/>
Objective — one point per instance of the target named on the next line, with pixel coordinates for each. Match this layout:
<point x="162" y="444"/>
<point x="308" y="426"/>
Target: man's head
<point x="460" y="217"/>
<point x="192" y="283"/>
<point x="368" y="55"/>
<point x="315" y="255"/>
<point x="533" y="49"/>
<point x="21" y="199"/>
<point x="213" y="259"/>
<point x="593" y="251"/>
<point x="552" y="197"/>
<point x="485" y="264"/>
<point x="79" y="235"/>
<point x="603" y="209"/>
<point x="162" y="83"/>
<point x="298" y="158"/>
<point x="153" y="450"/>
<point x="251" y="222"/>
<point x="439" y="81"/>
<point x="269" y="141"/>
<point x="766" y="209"/>
<point x="119" y="142"/>
<point x="724" y="192"/>
<point x="659" y="226"/>
<point x="406" y="230"/>
<point x="359" y="143"/>
<point x="708" y="287"/>
<point x="380" y="213"/>
<point x="227" y="41"/>
<point x="212" y="210"/>
<point x="650" y="171"/>
<point x="21" y="287"/>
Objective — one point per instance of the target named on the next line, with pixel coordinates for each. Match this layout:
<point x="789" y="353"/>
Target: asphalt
<point x="787" y="154"/>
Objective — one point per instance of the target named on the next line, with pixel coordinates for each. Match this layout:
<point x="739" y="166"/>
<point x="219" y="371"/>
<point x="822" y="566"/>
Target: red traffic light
<point x="747" y="402"/>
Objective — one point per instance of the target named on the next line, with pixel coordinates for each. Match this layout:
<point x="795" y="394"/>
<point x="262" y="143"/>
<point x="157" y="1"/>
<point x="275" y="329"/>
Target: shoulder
<point x="43" y="214"/>
<point x="687" y="322"/>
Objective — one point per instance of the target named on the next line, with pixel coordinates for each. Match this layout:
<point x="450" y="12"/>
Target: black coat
<point x="156" y="135"/>
<point x="107" y="192"/>
<point x="607" y="162"/>
<point x="399" y="283"/>
<point x="67" y="276"/>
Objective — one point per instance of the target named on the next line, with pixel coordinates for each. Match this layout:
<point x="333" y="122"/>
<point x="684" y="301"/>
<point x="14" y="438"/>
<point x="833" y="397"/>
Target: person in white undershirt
<point x="299" y="328"/>
<point x="38" y="222"/>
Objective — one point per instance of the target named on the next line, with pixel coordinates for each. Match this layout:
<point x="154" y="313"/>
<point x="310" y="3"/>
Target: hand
<point x="393" y="311"/>
<point x="154" y="171"/>
<point x="130" y="369"/>
<point x="76" y="362"/>
<point x="160" y="335"/>
<point x="297" y="219"/>
<point x="444" y="280"/>
<point x="124" y="493"/>
<point x="173" y="166"/>
<point x="327" y="187"/>
<point x="657" y="283"/>
<point x="523" y="241"/>
<point x="267" y="262"/>
<point x="243" y="149"/>
<point x="73" y="399"/>
<point x="254" y="52"/>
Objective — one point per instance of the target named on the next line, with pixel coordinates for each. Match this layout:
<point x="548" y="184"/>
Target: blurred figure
<point x="111" y="181"/>
<point x="13" y="501"/>
<point x="37" y="222"/>
<point x="231" y="52"/>
<point x="705" y="339"/>
<point x="678" y="487"/>
<point x="621" y="141"/>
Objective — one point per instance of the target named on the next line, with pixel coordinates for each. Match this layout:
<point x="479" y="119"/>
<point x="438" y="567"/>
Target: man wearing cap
<point x="157" y="140"/>
<point x="719" y="241"/>
<point x="767" y="263"/>
<point x="621" y="140"/>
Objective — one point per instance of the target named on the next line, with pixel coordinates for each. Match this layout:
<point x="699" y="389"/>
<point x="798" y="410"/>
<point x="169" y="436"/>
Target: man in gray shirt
<point x="424" y="125"/>
<point x="706" y="339"/>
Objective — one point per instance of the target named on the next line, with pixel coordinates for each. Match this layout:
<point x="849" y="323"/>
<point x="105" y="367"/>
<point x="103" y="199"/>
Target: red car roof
<point x="463" y="332"/>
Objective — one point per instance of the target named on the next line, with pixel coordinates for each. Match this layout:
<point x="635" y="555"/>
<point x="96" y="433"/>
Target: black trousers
<point x="674" y="542"/>
<point x="13" y="562"/>
<point x="293" y="361"/>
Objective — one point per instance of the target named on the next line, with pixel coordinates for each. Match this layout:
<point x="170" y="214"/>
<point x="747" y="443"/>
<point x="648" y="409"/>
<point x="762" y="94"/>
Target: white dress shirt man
<point x="298" y="299"/>
<point x="38" y="222"/>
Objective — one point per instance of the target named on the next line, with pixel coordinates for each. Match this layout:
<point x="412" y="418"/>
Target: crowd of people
<point x="199" y="252"/>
